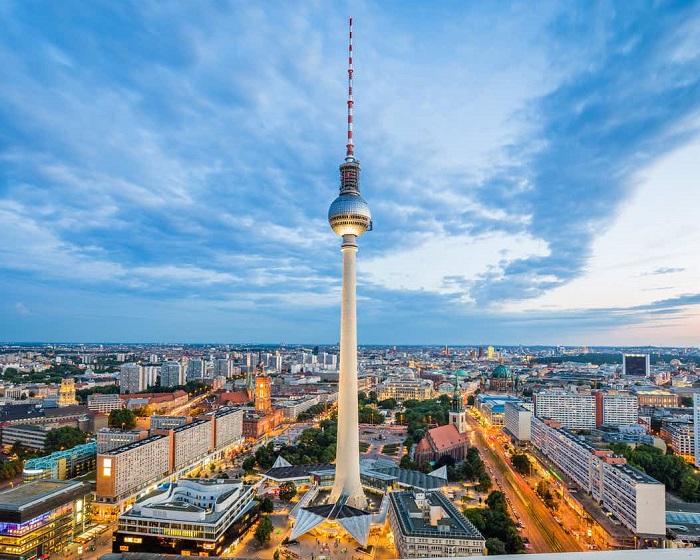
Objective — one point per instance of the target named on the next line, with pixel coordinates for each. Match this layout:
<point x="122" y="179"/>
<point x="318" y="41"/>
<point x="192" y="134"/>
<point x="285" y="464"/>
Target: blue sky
<point x="532" y="169"/>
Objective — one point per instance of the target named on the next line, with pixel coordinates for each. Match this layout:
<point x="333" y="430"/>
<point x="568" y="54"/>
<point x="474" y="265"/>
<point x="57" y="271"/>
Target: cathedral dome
<point x="501" y="372"/>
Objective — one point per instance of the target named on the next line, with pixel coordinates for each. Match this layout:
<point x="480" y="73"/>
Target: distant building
<point x="104" y="403"/>
<point x="172" y="374"/>
<point x="37" y="519"/>
<point x="616" y="409"/>
<point x="66" y="393"/>
<point x="657" y="397"/>
<point x="32" y="436"/>
<point x="131" y="378"/>
<point x="636" y="365"/>
<point x="405" y="389"/>
<point x="190" y="517"/>
<point x="159" y="422"/>
<point x="428" y="525"/>
<point x="573" y="411"/>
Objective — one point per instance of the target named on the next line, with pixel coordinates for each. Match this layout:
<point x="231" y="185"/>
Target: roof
<point x="297" y="471"/>
<point x="26" y="501"/>
<point x="233" y="397"/>
<point x="446" y="437"/>
<point x="501" y="371"/>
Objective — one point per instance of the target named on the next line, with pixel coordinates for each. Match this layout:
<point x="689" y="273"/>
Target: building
<point x="228" y="427"/>
<point x="159" y="422"/>
<point x="573" y="411"/>
<point x="636" y="364"/>
<point x="443" y="440"/>
<point x="31" y="436"/>
<point x="428" y="525"/>
<point x="263" y="382"/>
<point x="131" y="378"/>
<point x="502" y="379"/>
<point x="66" y="393"/>
<point x="128" y="469"/>
<point x="104" y="403"/>
<point x="62" y="465"/>
<point x="189" y="517"/>
<point x="696" y="423"/>
<point x="172" y="374"/>
<point x="679" y="433"/>
<point x="405" y="389"/>
<point x="39" y="518"/>
<point x="627" y="493"/>
<point x="616" y="409"/>
<point x="517" y="421"/>
<point x="108" y="438"/>
<point x="189" y="443"/>
<point x="657" y="397"/>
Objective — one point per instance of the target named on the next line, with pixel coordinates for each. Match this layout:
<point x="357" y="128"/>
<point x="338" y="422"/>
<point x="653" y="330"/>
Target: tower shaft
<point x="347" y="465"/>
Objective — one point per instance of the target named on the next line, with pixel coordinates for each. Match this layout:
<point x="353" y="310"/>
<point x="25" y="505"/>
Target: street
<point x="541" y="529"/>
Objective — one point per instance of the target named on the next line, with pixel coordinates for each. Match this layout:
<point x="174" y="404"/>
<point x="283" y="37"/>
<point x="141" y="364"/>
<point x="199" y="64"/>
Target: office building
<point x="189" y="517"/>
<point x="159" y="422"/>
<point x="30" y="436"/>
<point x="573" y="411"/>
<point x="657" y="397"/>
<point x="428" y="525"/>
<point x="636" y="365"/>
<point x="39" y="518"/>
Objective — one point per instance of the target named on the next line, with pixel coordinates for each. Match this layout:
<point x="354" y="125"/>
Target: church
<point x="451" y="439"/>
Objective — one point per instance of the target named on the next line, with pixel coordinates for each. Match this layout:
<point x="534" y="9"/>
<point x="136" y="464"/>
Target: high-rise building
<point x="171" y="374"/>
<point x="696" y="424"/>
<point x="573" y="411"/>
<point x="636" y="364"/>
<point x="131" y="378"/>
<point x="349" y="217"/>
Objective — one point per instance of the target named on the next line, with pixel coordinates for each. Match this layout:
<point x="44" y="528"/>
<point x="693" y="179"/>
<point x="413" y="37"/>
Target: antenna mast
<point x="350" y="155"/>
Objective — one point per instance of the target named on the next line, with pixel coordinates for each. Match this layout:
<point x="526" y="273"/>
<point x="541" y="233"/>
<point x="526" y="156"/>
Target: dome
<point x="349" y="215"/>
<point x="501" y="372"/>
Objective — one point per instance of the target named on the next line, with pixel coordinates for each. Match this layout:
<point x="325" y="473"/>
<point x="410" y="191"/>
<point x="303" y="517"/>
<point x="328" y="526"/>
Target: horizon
<point x="166" y="171"/>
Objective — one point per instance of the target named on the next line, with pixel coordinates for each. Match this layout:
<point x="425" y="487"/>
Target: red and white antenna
<point x="350" y="155"/>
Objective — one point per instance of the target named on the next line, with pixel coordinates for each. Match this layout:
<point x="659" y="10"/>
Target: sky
<point x="532" y="170"/>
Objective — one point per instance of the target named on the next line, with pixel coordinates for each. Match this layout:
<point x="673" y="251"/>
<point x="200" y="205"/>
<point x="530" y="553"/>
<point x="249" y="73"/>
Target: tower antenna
<point x="350" y="154"/>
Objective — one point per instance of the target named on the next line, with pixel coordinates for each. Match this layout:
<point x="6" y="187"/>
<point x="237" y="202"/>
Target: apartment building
<point x="616" y="409"/>
<point x="189" y="443"/>
<point x="571" y="410"/>
<point x="517" y="421"/>
<point x="108" y="439"/>
<point x="627" y="493"/>
<point x="104" y="403"/>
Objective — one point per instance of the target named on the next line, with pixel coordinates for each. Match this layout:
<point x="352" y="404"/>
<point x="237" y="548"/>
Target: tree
<point x="496" y="501"/>
<point x="495" y="547"/>
<point x="63" y="438"/>
<point x="249" y="464"/>
<point x="264" y="530"/>
<point x="122" y="419"/>
<point x="521" y="463"/>
<point x="266" y="504"/>
<point x="389" y="403"/>
<point x="287" y="491"/>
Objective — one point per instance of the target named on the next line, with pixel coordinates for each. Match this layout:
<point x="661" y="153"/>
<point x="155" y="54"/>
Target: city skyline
<point x="165" y="173"/>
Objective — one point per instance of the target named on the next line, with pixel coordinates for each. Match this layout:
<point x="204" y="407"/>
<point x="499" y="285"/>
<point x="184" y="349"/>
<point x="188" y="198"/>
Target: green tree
<point x="387" y="403"/>
<point x="63" y="438"/>
<point x="496" y="501"/>
<point x="495" y="547"/>
<point x="122" y="419"/>
<point x="266" y="504"/>
<point x="263" y="530"/>
<point x="287" y="491"/>
<point x="521" y="463"/>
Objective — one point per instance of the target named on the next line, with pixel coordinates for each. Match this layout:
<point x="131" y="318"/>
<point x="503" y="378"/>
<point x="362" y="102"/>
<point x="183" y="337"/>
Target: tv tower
<point x="349" y="216"/>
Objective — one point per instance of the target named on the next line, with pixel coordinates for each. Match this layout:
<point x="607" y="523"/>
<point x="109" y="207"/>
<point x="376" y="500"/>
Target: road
<point x="543" y="532"/>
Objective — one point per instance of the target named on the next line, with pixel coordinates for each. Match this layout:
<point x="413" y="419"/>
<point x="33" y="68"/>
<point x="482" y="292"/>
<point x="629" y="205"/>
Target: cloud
<point x="666" y="270"/>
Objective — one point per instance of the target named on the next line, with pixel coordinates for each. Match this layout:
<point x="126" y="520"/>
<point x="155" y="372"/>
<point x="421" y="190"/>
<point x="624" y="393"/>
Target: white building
<point x="619" y="410"/>
<point x="629" y="494"/>
<point x="405" y="389"/>
<point x="517" y="420"/>
<point x="104" y="403"/>
<point x="573" y="411"/>
<point x="108" y="439"/>
<point x="428" y="525"/>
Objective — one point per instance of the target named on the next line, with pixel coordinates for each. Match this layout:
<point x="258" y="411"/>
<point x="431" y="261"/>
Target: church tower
<point x="263" y="382"/>
<point x="458" y="416"/>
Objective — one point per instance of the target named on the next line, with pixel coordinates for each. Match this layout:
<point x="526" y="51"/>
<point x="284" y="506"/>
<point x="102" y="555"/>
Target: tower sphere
<point x="349" y="215"/>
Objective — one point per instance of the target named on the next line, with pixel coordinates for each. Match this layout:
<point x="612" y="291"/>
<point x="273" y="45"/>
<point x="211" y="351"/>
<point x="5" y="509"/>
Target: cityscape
<point x="189" y="368"/>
